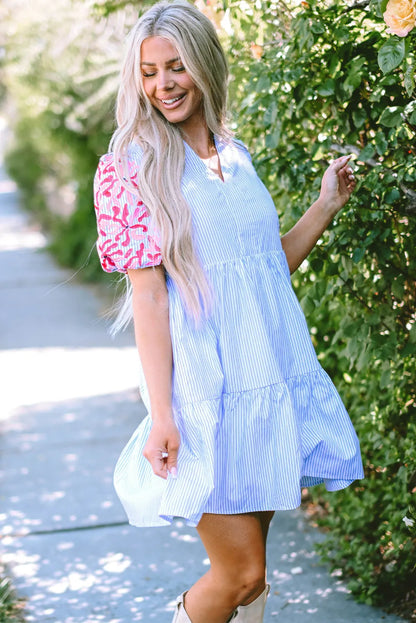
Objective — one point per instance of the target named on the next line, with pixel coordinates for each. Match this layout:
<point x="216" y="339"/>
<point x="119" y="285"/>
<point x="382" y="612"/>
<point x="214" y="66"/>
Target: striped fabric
<point x="258" y="416"/>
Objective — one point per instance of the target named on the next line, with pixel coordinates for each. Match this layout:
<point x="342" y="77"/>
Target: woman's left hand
<point x="338" y="183"/>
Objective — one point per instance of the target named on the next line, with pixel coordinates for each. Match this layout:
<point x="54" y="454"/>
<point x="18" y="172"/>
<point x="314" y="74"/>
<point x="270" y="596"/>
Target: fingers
<point x="349" y="177"/>
<point x="163" y="461"/>
<point x="342" y="168"/>
<point x="343" y="165"/>
<point x="172" y="465"/>
<point x="157" y="459"/>
<point x="339" y="163"/>
<point x="167" y="464"/>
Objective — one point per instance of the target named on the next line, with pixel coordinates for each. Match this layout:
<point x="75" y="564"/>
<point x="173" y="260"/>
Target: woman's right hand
<point x="161" y="449"/>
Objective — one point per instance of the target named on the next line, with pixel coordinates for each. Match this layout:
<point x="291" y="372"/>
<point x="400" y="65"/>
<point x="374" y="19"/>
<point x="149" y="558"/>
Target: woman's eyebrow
<point x="173" y="60"/>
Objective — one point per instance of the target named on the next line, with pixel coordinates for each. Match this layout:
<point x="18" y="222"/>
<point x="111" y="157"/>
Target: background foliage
<point x="314" y="90"/>
<point x="310" y="81"/>
<point x="61" y="84"/>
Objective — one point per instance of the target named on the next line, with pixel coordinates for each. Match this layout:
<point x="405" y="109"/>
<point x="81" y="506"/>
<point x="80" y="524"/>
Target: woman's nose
<point x="165" y="81"/>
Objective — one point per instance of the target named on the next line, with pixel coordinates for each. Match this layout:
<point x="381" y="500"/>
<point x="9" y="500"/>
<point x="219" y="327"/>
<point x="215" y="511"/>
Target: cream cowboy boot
<point x="254" y="612"/>
<point x="180" y="615"/>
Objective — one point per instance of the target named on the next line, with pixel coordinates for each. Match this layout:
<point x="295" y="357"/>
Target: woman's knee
<point x="236" y="548"/>
<point x="245" y="582"/>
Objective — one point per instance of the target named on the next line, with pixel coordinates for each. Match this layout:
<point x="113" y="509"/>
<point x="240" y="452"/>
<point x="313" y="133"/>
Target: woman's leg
<point x="265" y="519"/>
<point x="236" y="546"/>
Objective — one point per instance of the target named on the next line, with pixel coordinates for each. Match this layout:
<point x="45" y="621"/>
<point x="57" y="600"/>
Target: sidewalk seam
<point x="100" y="526"/>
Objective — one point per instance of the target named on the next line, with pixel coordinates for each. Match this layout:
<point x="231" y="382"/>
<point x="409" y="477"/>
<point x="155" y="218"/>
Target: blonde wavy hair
<point x="163" y="160"/>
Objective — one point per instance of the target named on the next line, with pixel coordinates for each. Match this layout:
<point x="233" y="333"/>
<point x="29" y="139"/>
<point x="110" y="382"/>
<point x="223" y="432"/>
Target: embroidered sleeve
<point x="126" y="238"/>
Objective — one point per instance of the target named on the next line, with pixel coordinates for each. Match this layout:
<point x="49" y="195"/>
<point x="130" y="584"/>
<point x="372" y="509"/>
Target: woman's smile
<point x="172" y="101"/>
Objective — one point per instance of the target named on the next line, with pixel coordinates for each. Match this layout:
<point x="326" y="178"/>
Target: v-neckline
<point x="211" y="173"/>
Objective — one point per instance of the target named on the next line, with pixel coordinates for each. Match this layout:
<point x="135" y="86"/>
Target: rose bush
<point x="332" y="80"/>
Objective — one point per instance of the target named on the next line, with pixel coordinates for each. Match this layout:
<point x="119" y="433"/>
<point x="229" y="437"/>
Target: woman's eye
<point x="178" y="69"/>
<point x="145" y="75"/>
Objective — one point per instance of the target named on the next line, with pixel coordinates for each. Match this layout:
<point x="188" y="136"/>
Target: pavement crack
<point x="98" y="526"/>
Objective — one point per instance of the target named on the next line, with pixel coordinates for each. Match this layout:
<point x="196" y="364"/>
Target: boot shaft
<point x="254" y="612"/>
<point x="181" y="615"/>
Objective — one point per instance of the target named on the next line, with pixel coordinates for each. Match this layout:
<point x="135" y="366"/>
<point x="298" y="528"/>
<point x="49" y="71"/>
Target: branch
<point x="407" y="122"/>
<point x="410" y="194"/>
<point x="282" y="2"/>
<point x="369" y="308"/>
<point x="352" y="149"/>
<point x="360" y="4"/>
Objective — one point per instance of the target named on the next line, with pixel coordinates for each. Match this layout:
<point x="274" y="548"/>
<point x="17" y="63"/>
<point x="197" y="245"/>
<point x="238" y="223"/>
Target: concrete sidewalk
<point x="69" y="403"/>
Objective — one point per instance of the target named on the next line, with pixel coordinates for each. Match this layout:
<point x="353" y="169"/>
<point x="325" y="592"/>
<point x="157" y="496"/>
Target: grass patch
<point x="11" y="607"/>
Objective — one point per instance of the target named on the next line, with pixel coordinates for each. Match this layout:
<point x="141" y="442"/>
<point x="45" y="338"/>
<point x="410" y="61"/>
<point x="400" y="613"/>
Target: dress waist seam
<point x="253" y="389"/>
<point x="239" y="258"/>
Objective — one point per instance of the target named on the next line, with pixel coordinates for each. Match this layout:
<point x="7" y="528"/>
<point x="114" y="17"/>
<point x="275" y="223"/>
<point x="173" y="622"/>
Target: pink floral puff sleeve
<point x="126" y="239"/>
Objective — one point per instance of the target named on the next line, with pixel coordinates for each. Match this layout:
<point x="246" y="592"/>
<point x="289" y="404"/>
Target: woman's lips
<point x="172" y="102"/>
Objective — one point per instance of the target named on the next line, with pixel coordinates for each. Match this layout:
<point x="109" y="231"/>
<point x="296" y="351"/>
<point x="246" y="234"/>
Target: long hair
<point x="162" y="164"/>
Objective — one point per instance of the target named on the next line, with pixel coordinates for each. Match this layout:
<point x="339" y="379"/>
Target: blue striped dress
<point x="258" y="416"/>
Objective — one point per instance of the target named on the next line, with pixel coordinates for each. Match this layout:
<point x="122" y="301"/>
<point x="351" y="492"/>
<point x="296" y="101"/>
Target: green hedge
<point x="318" y="91"/>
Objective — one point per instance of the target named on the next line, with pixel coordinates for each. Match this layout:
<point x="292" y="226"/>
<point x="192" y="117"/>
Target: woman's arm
<point x="151" y="327"/>
<point x="337" y="185"/>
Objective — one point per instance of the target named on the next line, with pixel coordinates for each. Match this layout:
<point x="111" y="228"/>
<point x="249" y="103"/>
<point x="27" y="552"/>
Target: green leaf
<point x="409" y="79"/>
<point x="272" y="139"/>
<point x="249" y="100"/>
<point x="397" y="288"/>
<point x="409" y="350"/>
<point x="317" y="28"/>
<point x="377" y="94"/>
<point x="308" y="305"/>
<point x="349" y="329"/>
<point x="263" y="83"/>
<point x="378" y="6"/>
<point x="331" y="268"/>
<point x="356" y="72"/>
<point x="327" y="88"/>
<point x="342" y="33"/>
<point x="391" y="117"/>
<point x="392" y="195"/>
<point x="381" y="143"/>
<point x="359" y="117"/>
<point x="317" y="264"/>
<point x="270" y="114"/>
<point x="391" y="54"/>
<point x="358" y="254"/>
<point x="388" y="80"/>
<point x="305" y="37"/>
<point x="367" y="153"/>
<point x="363" y="359"/>
<point x="334" y="64"/>
<point x="412" y="118"/>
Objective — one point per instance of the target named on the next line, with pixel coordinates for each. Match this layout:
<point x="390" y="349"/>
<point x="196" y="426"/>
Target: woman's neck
<point x="199" y="138"/>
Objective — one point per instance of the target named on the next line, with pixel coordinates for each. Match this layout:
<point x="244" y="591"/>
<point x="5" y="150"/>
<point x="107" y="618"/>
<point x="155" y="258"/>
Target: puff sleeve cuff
<point x="126" y="239"/>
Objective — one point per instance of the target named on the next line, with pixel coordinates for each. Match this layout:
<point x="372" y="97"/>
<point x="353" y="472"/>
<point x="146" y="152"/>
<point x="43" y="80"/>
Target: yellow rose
<point x="400" y="16"/>
<point x="256" y="51"/>
<point x="212" y="10"/>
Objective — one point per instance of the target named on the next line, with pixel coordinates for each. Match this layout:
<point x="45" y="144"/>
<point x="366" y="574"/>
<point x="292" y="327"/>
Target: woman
<point x="241" y="415"/>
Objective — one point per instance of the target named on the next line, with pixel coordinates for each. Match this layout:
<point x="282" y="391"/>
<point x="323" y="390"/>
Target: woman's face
<point x="167" y="84"/>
